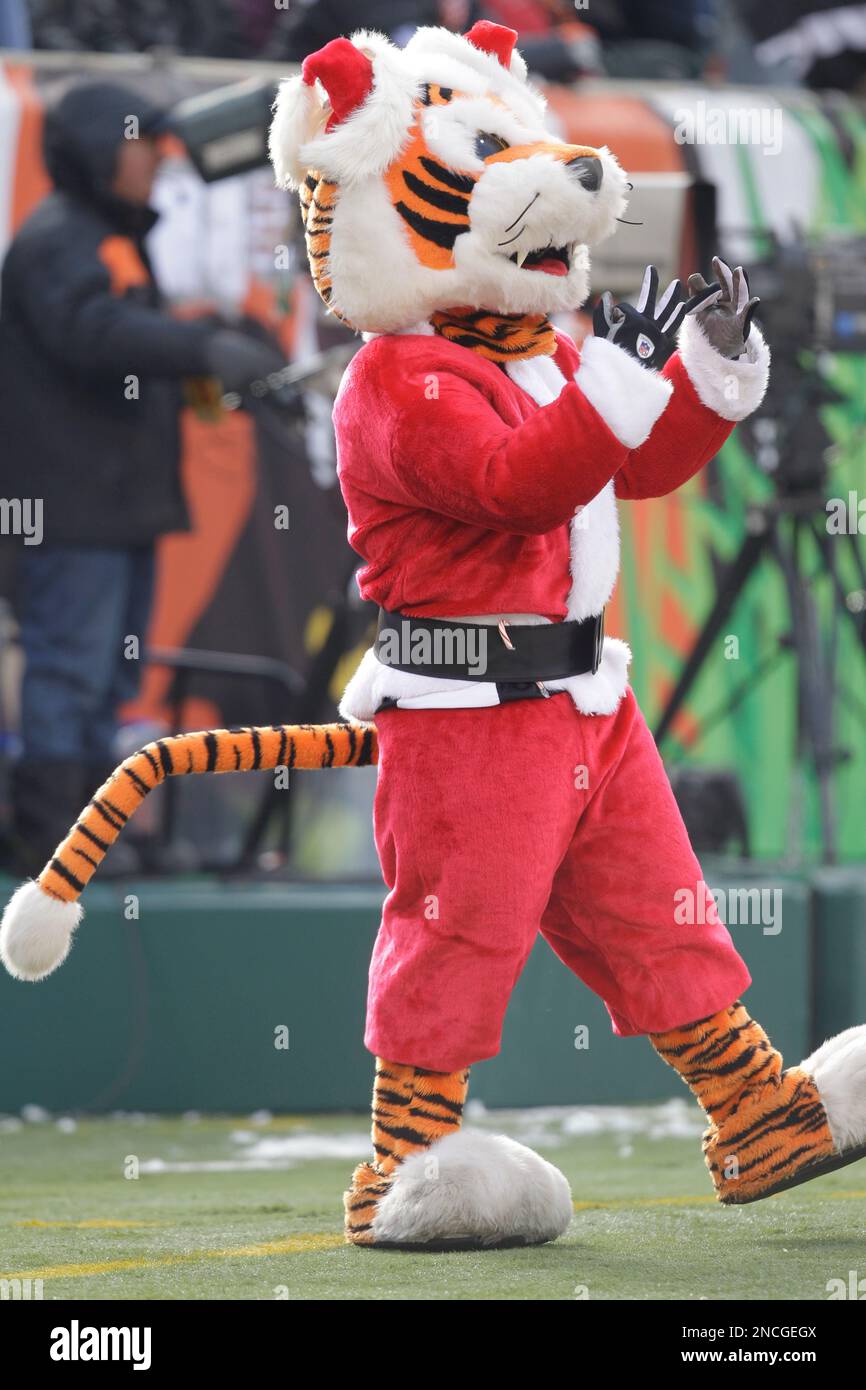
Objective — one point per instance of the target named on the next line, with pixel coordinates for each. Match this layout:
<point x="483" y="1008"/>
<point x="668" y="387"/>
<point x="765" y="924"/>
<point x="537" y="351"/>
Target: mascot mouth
<point x="550" y="260"/>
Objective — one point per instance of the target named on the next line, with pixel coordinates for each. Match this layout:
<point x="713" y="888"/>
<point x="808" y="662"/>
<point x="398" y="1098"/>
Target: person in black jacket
<point x="91" y="370"/>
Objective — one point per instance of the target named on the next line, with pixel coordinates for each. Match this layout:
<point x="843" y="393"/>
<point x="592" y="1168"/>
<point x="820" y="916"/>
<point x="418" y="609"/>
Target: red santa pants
<point x="494" y="824"/>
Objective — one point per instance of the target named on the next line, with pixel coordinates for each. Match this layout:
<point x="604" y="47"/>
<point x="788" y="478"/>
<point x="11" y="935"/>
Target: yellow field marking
<point x="624" y="1202"/>
<point x="310" y="1242"/>
<point x="627" y="1203"/>
<point x="289" y="1245"/>
<point x="95" y="1223"/>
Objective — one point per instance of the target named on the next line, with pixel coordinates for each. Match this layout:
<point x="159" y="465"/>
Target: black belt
<point x="502" y="652"/>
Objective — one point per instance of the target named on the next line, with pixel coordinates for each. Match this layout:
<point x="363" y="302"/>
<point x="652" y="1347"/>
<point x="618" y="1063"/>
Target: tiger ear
<point x="299" y="114"/>
<point x="346" y="75"/>
<point x="348" y="115"/>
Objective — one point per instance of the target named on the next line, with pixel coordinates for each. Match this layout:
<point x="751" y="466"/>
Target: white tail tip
<point x="36" y="932"/>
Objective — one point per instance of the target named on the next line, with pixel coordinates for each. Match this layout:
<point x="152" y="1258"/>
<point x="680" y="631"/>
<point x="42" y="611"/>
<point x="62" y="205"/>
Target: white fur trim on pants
<point x="732" y="387"/>
<point x="373" y="683"/>
<point x="478" y="1187"/>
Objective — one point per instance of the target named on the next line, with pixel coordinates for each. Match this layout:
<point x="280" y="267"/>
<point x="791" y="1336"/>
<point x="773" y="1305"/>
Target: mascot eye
<point x="487" y="144"/>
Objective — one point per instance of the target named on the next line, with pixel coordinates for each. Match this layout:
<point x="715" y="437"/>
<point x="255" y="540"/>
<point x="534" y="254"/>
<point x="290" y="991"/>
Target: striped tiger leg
<point x="769" y="1128"/>
<point x="412" y="1108"/>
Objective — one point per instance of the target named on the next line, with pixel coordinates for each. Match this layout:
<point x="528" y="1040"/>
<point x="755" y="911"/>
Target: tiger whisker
<point x="511" y="238"/>
<point x="521" y="215"/>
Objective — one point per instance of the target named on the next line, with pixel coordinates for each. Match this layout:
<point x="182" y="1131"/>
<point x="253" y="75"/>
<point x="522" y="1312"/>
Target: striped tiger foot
<point x="774" y="1139"/>
<point x="369" y="1183"/>
<point x="432" y="1186"/>
<point x="770" y="1129"/>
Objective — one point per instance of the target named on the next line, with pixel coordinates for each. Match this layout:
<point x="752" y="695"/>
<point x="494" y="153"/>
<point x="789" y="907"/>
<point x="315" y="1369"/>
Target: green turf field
<point x="250" y="1209"/>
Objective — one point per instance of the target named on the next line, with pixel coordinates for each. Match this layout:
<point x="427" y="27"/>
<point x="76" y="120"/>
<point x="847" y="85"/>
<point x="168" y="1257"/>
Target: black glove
<point x="239" y="360"/>
<point x="649" y="330"/>
<point x="727" y="319"/>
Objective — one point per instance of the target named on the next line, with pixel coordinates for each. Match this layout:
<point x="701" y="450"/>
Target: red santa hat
<point x="348" y="113"/>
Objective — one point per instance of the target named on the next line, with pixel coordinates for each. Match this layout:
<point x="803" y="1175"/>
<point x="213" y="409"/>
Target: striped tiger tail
<point x="40" y="917"/>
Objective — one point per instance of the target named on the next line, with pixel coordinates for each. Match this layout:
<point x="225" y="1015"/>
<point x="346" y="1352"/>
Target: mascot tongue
<point x="551" y="265"/>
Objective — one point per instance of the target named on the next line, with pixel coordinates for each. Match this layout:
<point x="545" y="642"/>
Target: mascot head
<point x="428" y="180"/>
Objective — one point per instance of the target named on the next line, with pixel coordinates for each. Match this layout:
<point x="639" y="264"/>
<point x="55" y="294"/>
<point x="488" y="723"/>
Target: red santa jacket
<point x="460" y="487"/>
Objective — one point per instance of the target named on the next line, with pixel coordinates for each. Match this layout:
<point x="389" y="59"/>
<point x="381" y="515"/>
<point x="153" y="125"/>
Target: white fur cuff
<point x="374" y="683"/>
<point x="628" y="397"/>
<point x="732" y="387"/>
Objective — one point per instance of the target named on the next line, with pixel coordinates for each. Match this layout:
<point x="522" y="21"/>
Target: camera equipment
<point x="812" y="296"/>
<point x="226" y="131"/>
<point x="839" y="268"/>
<point x="813" y="301"/>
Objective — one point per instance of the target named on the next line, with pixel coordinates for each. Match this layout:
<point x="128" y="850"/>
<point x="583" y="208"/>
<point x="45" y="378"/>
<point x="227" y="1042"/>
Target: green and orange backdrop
<point x="236" y="584"/>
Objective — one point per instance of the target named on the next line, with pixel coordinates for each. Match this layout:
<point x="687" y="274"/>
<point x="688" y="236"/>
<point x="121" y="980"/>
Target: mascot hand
<point x="648" y="331"/>
<point x="727" y="318"/>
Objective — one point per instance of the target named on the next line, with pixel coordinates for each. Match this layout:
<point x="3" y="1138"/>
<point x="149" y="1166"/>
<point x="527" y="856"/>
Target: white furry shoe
<point x="468" y="1190"/>
<point x="838" y="1068"/>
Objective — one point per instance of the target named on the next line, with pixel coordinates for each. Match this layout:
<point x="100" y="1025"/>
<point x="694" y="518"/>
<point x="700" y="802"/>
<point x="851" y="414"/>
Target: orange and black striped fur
<point x="317" y="214"/>
<point x="412" y="1108"/>
<point x="76" y="860"/>
<point x="499" y="337"/>
<point x="432" y="199"/>
<point x="769" y="1127"/>
<point x="433" y="202"/>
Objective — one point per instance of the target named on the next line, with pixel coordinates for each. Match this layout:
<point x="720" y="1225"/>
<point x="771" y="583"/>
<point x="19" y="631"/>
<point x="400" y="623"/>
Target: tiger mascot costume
<point x="481" y="457"/>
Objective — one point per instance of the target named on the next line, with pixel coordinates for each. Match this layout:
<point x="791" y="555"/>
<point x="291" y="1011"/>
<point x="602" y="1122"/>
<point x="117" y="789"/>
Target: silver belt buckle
<point x="599" y="643"/>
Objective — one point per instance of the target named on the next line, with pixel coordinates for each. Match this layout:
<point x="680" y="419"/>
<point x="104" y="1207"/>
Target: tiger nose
<point x="588" y="170"/>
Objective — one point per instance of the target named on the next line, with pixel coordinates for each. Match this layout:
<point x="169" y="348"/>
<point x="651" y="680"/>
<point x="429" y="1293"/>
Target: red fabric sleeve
<point x="682" y="442"/>
<point x="447" y="449"/>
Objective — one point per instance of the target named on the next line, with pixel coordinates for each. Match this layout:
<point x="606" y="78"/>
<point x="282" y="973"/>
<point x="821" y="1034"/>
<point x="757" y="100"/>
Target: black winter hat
<point x="84" y="129"/>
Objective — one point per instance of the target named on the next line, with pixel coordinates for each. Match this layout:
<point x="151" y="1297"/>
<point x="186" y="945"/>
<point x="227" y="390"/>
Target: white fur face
<point x="526" y="198"/>
<point x="470" y="202"/>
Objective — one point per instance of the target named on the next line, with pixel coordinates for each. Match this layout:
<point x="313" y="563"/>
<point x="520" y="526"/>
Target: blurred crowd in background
<point x="820" y="42"/>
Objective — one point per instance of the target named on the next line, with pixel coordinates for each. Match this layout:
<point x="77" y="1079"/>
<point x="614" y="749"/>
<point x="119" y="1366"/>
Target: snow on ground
<point x="543" y="1127"/>
<point x="271" y="1151"/>
<point x="547" y="1127"/>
